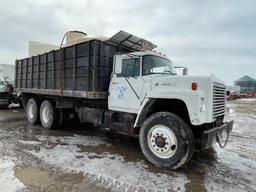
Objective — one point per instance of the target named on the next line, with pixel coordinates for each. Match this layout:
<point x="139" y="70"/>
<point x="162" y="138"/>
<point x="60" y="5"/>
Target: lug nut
<point x="173" y="147"/>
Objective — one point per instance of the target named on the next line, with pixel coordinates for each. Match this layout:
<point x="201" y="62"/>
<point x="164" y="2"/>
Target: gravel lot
<point x="82" y="158"/>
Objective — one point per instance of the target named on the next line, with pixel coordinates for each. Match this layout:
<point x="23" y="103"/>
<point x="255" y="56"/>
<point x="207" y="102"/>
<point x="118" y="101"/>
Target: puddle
<point x="196" y="170"/>
<point x="33" y="176"/>
<point x="128" y="154"/>
<point x="39" y="179"/>
<point x="196" y="177"/>
<point x="21" y="146"/>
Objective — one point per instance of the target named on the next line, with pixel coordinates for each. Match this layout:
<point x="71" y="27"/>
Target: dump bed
<point x="82" y="70"/>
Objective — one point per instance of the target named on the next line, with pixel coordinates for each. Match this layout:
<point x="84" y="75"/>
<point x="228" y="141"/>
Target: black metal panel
<point x="68" y="63"/>
<point x="31" y="75"/>
<point x="74" y="68"/>
<point x="21" y="68"/>
<point x="53" y="65"/>
<point x="68" y="82"/>
<point x="68" y="53"/>
<point x="82" y="50"/>
<point x="91" y="115"/>
<point x="84" y="67"/>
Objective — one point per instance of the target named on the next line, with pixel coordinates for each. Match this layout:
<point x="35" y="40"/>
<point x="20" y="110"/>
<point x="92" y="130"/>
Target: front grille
<point x="219" y="99"/>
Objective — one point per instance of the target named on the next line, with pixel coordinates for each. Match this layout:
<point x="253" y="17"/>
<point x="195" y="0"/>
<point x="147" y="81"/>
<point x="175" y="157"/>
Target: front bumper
<point x="209" y="136"/>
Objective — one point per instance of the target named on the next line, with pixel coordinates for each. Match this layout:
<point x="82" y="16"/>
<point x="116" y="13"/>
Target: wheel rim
<point x="46" y="115"/>
<point x="31" y="111"/>
<point x="162" y="141"/>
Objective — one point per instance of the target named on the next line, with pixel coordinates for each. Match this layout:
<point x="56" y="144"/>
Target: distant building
<point x="247" y="85"/>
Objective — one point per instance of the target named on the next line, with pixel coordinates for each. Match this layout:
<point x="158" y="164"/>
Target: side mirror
<point x="185" y="71"/>
<point x="117" y="64"/>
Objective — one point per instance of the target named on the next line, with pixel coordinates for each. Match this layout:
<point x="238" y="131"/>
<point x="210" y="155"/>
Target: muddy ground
<point x="80" y="158"/>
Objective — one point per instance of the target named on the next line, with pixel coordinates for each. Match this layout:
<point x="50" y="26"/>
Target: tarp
<point x="128" y="40"/>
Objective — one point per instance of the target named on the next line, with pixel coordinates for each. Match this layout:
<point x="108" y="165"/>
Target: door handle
<point x="114" y="83"/>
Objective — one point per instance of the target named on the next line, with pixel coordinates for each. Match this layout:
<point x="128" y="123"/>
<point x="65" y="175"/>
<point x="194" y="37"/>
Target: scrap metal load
<point x="81" y="69"/>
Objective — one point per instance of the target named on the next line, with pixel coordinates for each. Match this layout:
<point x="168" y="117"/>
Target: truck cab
<point x="146" y="84"/>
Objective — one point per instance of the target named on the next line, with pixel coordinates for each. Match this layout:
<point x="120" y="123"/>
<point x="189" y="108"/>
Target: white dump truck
<point x="121" y="84"/>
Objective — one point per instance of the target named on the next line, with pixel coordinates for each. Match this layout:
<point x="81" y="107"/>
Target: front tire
<point x="49" y="115"/>
<point x="166" y="140"/>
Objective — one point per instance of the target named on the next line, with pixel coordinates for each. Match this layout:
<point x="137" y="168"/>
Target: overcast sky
<point x="209" y="37"/>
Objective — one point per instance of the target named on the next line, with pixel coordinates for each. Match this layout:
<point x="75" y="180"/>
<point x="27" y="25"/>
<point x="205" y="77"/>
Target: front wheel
<point x="166" y="140"/>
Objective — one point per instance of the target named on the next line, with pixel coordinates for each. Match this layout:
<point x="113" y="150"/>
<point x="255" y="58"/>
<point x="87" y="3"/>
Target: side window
<point x="130" y="68"/>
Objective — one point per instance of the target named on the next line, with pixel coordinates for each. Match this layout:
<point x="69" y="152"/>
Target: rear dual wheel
<point x="50" y="117"/>
<point x="32" y="110"/>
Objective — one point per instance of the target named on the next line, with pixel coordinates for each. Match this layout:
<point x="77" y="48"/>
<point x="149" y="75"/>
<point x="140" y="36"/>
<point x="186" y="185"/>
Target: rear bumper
<point x="209" y="136"/>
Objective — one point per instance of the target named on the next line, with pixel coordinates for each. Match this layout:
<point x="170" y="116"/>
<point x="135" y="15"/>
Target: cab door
<point x="126" y="87"/>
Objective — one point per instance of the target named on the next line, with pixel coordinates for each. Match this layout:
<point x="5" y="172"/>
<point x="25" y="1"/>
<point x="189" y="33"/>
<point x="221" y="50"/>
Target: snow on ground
<point x="114" y="165"/>
<point x="237" y="161"/>
<point x="30" y="142"/>
<point x="75" y="140"/>
<point x="105" y="165"/>
<point x="8" y="182"/>
<point x="248" y="99"/>
<point x="231" y="168"/>
<point x="243" y="136"/>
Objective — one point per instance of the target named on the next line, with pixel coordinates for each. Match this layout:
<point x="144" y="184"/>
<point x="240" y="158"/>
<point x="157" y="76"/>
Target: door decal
<point x="121" y="92"/>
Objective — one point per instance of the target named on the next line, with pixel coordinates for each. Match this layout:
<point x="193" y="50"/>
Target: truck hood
<point x="183" y="82"/>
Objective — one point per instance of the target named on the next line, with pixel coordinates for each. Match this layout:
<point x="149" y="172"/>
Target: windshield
<point x="153" y="65"/>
